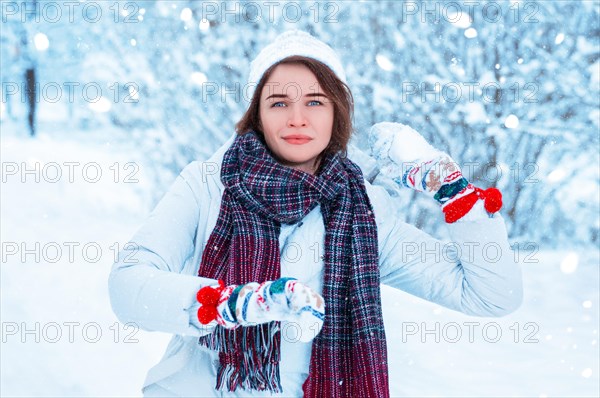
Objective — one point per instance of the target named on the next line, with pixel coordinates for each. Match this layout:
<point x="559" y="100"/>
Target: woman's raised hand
<point x="405" y="156"/>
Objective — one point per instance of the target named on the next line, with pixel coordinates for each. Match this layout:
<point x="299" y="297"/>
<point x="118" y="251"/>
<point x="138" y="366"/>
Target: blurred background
<point x="103" y="103"/>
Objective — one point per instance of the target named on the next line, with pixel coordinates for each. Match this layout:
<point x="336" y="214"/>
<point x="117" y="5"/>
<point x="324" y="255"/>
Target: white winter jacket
<point x="154" y="282"/>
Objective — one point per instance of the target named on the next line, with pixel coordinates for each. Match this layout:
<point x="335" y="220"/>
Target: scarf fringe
<point x="250" y="364"/>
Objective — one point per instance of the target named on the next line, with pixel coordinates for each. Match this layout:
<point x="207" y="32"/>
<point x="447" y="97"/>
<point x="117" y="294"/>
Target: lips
<point x="297" y="139"/>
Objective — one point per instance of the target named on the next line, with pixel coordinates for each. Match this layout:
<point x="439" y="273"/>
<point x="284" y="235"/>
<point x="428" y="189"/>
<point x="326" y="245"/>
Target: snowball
<point x="204" y="24"/>
<point x="471" y="33"/>
<point x="399" y="143"/>
<point x="587" y="304"/>
<point x="41" y="42"/>
<point x="198" y="78"/>
<point x="556" y="175"/>
<point x="569" y="264"/>
<point x="587" y="372"/>
<point x="186" y="14"/>
<point x="511" y="122"/>
<point x="384" y="62"/>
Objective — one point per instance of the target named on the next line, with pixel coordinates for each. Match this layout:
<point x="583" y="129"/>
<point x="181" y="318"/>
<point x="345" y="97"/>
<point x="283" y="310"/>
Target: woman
<point x="265" y="261"/>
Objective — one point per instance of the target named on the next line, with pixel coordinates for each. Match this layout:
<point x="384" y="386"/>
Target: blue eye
<point x="318" y="102"/>
<point x="276" y="104"/>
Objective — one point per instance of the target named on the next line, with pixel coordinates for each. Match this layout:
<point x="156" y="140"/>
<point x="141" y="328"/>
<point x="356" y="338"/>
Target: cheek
<point x="326" y="124"/>
<point x="269" y="129"/>
<point x="270" y="122"/>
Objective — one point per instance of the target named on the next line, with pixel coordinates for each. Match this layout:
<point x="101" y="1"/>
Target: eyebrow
<point x="307" y="95"/>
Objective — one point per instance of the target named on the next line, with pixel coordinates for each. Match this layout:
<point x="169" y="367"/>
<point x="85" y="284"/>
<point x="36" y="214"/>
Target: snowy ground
<point x="60" y="337"/>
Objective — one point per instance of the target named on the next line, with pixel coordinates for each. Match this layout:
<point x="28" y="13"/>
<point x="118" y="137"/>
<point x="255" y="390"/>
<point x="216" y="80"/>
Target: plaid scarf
<point x="349" y="356"/>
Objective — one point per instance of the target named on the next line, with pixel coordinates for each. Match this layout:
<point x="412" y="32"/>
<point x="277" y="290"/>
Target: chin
<point x="291" y="162"/>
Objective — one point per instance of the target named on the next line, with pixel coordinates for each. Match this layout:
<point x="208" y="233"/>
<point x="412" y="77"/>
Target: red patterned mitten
<point x="284" y="299"/>
<point x="412" y="162"/>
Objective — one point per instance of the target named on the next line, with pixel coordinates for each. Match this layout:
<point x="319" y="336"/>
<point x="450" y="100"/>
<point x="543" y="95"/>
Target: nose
<point x="296" y="117"/>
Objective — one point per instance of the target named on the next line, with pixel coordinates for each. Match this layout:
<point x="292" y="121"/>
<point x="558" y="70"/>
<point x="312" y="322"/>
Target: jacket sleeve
<point x="474" y="273"/>
<point x="146" y="283"/>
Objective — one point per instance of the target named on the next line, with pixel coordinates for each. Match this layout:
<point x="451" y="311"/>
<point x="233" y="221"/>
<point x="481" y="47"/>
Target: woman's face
<point x="296" y="116"/>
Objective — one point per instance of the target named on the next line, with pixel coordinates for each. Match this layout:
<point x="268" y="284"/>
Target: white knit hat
<point x="293" y="42"/>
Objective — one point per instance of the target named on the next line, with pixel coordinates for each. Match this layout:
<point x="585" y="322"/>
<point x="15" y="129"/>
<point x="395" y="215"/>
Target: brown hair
<point x="337" y="91"/>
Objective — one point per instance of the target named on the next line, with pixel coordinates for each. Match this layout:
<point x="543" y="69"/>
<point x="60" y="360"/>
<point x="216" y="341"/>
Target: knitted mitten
<point x="412" y="162"/>
<point x="284" y="299"/>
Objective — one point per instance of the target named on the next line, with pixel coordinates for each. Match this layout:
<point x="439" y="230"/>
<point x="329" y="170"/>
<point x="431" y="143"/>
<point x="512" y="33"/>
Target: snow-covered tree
<point x="509" y="88"/>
